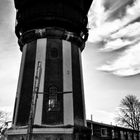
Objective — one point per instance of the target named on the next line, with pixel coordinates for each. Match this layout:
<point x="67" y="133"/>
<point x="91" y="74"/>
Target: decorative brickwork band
<point x="50" y="32"/>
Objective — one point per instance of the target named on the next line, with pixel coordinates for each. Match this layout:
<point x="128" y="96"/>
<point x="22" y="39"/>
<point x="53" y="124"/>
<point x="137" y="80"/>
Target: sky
<point x="111" y="62"/>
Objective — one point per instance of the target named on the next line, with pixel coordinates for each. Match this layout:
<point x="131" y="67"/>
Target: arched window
<point x="53" y="104"/>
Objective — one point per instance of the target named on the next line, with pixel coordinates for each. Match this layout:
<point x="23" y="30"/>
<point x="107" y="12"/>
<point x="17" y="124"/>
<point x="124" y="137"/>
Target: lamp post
<point x="49" y="102"/>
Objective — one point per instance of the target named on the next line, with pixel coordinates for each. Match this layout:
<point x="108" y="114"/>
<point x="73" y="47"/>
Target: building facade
<point x="101" y="131"/>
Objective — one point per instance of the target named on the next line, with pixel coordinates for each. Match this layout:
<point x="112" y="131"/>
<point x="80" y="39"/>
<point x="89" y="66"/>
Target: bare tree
<point x="129" y="112"/>
<point x="4" y="116"/>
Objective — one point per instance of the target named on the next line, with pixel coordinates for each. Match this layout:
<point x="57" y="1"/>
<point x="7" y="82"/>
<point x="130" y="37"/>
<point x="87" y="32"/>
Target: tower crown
<point x="68" y="14"/>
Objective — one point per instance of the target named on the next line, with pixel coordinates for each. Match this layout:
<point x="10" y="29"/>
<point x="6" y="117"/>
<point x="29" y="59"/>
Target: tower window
<point x="54" y="52"/>
<point x="53" y="104"/>
<point x="52" y="90"/>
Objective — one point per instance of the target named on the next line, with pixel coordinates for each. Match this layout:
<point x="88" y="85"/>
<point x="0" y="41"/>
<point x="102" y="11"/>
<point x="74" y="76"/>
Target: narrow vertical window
<point x="54" y="52"/>
<point x="53" y="104"/>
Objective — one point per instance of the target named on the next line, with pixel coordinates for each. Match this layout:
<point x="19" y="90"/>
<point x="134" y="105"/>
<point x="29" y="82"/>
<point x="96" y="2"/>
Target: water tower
<point x="50" y="102"/>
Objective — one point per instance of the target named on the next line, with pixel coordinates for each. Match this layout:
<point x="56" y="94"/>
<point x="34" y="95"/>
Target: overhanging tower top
<point x="67" y="14"/>
<point x="84" y="5"/>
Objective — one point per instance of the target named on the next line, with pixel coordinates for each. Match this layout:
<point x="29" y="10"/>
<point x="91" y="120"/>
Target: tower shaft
<point x="60" y="97"/>
<point x="55" y="60"/>
<point x="50" y="97"/>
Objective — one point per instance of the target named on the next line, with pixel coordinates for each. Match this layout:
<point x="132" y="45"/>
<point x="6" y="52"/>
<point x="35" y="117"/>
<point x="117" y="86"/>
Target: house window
<point x="104" y="132"/>
<point x="115" y="134"/>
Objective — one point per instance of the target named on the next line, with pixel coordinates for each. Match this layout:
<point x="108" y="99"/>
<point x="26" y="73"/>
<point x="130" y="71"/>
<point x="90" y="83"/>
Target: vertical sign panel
<point x="26" y="85"/>
<point x="53" y="99"/>
<point x="19" y="84"/>
<point x="67" y="84"/>
<point x="83" y="97"/>
<point x="79" y="113"/>
<point x="40" y="57"/>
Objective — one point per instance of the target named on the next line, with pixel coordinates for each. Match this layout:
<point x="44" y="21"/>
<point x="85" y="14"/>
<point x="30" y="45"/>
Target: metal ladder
<point x="34" y="101"/>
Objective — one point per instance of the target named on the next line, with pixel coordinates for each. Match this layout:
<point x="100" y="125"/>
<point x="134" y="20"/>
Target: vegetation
<point x="4" y="116"/>
<point x="129" y="112"/>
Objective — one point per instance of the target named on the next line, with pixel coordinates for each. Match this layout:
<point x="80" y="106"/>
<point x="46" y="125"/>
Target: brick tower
<point x="49" y="102"/>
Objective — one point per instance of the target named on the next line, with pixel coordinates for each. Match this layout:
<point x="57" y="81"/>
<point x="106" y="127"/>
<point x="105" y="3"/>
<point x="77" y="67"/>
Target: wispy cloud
<point x="117" y="27"/>
<point x="127" y="64"/>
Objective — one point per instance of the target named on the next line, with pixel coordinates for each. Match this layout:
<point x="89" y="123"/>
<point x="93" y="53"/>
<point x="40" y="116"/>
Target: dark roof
<point x="111" y="126"/>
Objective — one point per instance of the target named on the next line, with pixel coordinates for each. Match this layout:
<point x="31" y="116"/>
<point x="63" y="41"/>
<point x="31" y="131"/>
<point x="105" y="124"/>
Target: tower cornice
<point x="52" y="32"/>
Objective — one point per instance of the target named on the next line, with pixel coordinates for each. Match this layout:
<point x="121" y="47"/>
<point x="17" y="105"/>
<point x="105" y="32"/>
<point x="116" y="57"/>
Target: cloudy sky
<point x="111" y="62"/>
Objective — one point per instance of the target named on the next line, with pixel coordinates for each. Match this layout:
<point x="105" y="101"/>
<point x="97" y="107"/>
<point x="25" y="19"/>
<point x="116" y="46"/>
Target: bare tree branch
<point x="129" y="112"/>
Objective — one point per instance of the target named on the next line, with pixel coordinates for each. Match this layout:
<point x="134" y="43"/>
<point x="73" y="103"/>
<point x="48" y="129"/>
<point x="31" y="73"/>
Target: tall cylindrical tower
<point x="50" y="97"/>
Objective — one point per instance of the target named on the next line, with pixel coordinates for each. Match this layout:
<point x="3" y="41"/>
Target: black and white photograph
<point x="69" y="69"/>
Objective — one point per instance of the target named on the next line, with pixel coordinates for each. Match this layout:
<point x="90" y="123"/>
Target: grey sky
<point x="120" y="32"/>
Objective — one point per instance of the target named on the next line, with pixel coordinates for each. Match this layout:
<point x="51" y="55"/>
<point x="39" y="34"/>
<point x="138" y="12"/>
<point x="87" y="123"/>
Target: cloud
<point x="119" y="28"/>
<point x="116" y="9"/>
<point x="115" y="45"/>
<point x="103" y="28"/>
<point x="127" y="64"/>
<point x="131" y="30"/>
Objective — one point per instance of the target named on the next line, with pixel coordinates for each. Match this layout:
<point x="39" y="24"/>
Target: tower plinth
<point x="50" y="102"/>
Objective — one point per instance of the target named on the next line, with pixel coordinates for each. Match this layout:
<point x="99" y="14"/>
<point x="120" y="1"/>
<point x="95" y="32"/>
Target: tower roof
<point x="67" y="14"/>
<point x="84" y="5"/>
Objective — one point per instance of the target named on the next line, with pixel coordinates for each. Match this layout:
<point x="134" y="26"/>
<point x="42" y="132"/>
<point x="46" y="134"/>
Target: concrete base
<point x="71" y="133"/>
<point x="41" y="134"/>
